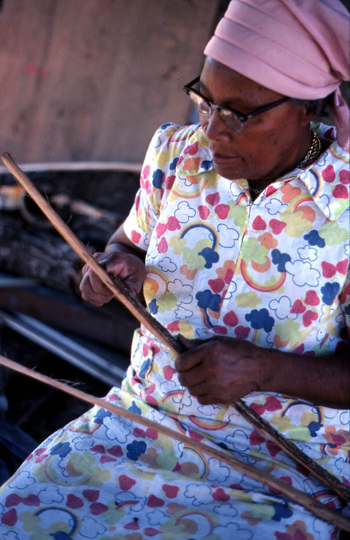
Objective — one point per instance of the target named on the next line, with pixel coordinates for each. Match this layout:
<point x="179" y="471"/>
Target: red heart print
<point x="116" y="451"/>
<point x="231" y="319"/>
<point x="328" y="269"/>
<point x="272" y="448"/>
<point x="220" y="495"/>
<point x="216" y="285"/>
<point x="91" y="495"/>
<point x="107" y="459"/>
<point x="220" y="330"/>
<point x="162" y="246"/>
<point x="9" y="518"/>
<point x="160" y="229"/>
<point x="213" y="199"/>
<point x="342" y="266"/>
<point x="298" y="307"/>
<point x="222" y="210"/>
<point x="272" y="404"/>
<point x="340" y="192"/>
<point x="168" y="372"/>
<point x="257" y="407"/>
<point x="344" y="176"/>
<point x="255" y="438"/>
<point x="277" y="226"/>
<point x="99" y="449"/>
<point x="242" y="332"/>
<point x="309" y="316"/>
<point x="74" y="502"/>
<point x="192" y="149"/>
<point x="98" y="508"/>
<point x="170" y="491"/>
<point x="328" y="174"/>
<point x="135" y="237"/>
<point x="132" y="526"/>
<point x="154" y="501"/>
<point x="259" y="224"/>
<point x="312" y="299"/>
<point x="203" y="211"/>
<point x="126" y="482"/>
<point x="173" y="224"/>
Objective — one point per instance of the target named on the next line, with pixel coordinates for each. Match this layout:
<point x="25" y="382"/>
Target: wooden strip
<point x="79" y="166"/>
<point x="143" y="316"/>
<point x="292" y="450"/>
<point x="320" y="510"/>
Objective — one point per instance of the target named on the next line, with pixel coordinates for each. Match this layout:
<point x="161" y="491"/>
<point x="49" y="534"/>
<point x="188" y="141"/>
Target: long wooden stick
<point x="123" y="294"/>
<point x="320" y="510"/>
<point x="292" y="450"/>
<point x="117" y="287"/>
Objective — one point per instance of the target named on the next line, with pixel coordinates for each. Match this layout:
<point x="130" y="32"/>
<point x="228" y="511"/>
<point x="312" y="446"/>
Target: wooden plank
<point x="92" y="79"/>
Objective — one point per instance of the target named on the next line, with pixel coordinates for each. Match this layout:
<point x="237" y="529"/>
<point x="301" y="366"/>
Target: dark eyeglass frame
<point x="242" y="117"/>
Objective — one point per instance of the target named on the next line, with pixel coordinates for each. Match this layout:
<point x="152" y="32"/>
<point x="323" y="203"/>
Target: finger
<point x="132" y="281"/>
<point x="90" y="295"/>
<point x="200" y="389"/>
<point x="92" y="301"/>
<point x="190" y="359"/>
<point x="85" y="269"/>
<point x="102" y="257"/>
<point x="96" y="284"/>
<point x="99" y="257"/>
<point x="208" y="399"/>
<point x="123" y="271"/>
<point x="85" y="283"/>
<point x="97" y="300"/>
<point x="187" y="361"/>
<point x="192" y="378"/>
<point x="133" y="284"/>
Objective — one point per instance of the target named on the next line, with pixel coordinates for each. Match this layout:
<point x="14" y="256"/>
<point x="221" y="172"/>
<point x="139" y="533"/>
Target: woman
<point x="243" y="221"/>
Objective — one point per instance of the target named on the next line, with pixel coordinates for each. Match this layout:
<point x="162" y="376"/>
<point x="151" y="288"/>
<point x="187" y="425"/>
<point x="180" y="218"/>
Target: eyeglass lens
<point x="204" y="108"/>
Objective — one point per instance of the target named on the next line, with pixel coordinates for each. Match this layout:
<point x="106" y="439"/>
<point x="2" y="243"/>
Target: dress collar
<point x="327" y="179"/>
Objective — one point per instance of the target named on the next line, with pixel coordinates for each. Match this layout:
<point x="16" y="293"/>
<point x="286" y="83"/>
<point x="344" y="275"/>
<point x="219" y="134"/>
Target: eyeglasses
<point x="231" y="118"/>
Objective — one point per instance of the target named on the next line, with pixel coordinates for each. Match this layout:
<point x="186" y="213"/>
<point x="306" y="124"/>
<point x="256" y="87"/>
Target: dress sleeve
<point x="157" y="173"/>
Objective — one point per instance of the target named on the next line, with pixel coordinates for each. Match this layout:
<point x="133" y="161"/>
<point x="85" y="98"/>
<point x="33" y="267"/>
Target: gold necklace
<point x="312" y="153"/>
<point x="256" y="190"/>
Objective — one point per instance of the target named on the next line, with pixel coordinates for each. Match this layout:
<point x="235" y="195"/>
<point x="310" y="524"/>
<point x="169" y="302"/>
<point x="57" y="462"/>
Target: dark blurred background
<point x="84" y="85"/>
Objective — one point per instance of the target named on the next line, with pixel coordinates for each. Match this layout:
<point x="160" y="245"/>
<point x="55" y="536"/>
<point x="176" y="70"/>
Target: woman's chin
<point x="230" y="170"/>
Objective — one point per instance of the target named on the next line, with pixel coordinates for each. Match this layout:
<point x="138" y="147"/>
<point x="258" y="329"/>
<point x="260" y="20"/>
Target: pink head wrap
<point x="298" y="48"/>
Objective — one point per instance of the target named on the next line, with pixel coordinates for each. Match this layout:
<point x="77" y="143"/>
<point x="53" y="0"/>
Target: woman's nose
<point x="214" y="127"/>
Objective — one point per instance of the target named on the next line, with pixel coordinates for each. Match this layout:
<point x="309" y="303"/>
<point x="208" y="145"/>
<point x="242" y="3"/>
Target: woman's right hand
<point x="129" y="268"/>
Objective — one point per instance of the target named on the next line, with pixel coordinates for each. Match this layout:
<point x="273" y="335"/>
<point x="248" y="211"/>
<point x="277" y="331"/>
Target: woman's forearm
<point x="120" y="242"/>
<point x="321" y="380"/>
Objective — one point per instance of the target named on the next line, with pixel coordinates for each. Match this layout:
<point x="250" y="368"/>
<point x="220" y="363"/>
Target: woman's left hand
<point x="221" y="370"/>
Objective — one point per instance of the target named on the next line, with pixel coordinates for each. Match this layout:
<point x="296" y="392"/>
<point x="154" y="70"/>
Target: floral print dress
<point x="273" y="271"/>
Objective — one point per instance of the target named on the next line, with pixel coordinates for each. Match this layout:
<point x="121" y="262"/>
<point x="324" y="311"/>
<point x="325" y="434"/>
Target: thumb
<point x="188" y="344"/>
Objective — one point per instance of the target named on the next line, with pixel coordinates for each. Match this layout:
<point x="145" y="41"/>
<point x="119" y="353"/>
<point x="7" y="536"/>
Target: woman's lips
<point x="221" y="158"/>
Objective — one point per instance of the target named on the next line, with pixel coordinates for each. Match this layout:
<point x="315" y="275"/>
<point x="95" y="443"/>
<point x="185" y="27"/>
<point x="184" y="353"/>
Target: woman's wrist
<point x="271" y="369"/>
<point x="120" y="247"/>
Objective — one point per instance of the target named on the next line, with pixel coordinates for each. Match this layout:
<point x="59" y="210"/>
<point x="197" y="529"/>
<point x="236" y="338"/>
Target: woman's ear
<point x="306" y="115"/>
